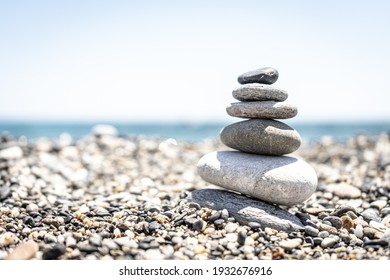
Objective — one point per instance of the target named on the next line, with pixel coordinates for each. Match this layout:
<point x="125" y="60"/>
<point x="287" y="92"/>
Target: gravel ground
<point x="117" y="197"/>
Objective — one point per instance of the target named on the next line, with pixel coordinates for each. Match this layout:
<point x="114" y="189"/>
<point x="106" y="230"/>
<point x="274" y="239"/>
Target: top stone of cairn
<point x="266" y="75"/>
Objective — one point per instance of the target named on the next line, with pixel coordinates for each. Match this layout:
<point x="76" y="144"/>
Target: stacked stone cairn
<point x="259" y="168"/>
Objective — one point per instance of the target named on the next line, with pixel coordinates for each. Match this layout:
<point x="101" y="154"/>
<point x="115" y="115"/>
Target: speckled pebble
<point x="328" y="242"/>
<point x="290" y="243"/>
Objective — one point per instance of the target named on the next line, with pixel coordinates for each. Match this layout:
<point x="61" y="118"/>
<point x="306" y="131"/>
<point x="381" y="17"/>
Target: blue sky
<point x="179" y="60"/>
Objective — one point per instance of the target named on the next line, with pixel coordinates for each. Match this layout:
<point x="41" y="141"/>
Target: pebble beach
<point x="106" y="196"/>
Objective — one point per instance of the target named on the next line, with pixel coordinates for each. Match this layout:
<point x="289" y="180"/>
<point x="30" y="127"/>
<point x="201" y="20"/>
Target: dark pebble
<point x="340" y="211"/>
<point x="334" y="221"/>
<point x="198" y="225"/>
<point x="371" y="214"/>
<point x="219" y="222"/>
<point x="179" y="217"/>
<point x="214" y="217"/>
<point x="88" y="248"/>
<point x="385" y="211"/>
<point x="254" y="225"/>
<point x="216" y="253"/>
<point x="317" y="240"/>
<point x="183" y="195"/>
<point x="35" y="214"/>
<point x="309" y="240"/>
<point x="311" y="223"/>
<point x="322" y="215"/>
<point x="266" y="75"/>
<point x="54" y="253"/>
<point x="190" y="221"/>
<point x="123" y="226"/>
<point x="303" y="217"/>
<point x="241" y="238"/>
<point x="376" y="243"/>
<point x="169" y="214"/>
<point x="216" y="236"/>
<point x="153" y="209"/>
<point x="28" y="220"/>
<point x="194" y="205"/>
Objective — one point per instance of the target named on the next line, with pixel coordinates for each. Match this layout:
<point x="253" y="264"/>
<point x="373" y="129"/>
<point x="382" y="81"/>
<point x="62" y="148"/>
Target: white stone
<point x="344" y="190"/>
<point x="11" y="153"/>
<point x="359" y="231"/>
<point x="282" y="180"/>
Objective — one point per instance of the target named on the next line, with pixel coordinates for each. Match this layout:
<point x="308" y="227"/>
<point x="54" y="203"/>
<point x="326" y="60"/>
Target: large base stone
<point x="283" y="180"/>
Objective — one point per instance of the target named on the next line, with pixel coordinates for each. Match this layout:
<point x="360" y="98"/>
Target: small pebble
<point x="241" y="238"/>
<point x="371" y="214"/>
<point x="334" y="221"/>
<point x="54" y="252"/>
<point x="328" y="242"/>
<point x="340" y="211"/>
<point x="290" y="243"/>
<point x="347" y="222"/>
<point x="254" y="225"/>
<point x="198" y="225"/>
<point x="224" y="214"/>
<point x="359" y="231"/>
<point x="231" y="227"/>
<point x="323" y="234"/>
<point x="32" y="207"/>
<point x="309" y="230"/>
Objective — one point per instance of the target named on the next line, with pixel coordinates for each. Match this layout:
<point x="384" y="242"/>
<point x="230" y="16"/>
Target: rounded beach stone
<point x="261" y="136"/>
<point x="281" y="180"/>
<point x="266" y="75"/>
<point x="262" y="110"/>
<point x="258" y="92"/>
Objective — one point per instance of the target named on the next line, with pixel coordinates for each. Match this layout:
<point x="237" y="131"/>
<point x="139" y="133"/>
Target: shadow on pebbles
<point x="118" y="197"/>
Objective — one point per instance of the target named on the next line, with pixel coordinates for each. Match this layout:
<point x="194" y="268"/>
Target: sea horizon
<point x="185" y="130"/>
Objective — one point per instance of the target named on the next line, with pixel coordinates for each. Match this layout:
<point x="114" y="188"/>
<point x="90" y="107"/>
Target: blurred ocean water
<point x="186" y="131"/>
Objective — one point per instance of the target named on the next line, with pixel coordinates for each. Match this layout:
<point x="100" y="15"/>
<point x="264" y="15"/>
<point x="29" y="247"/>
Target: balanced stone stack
<point x="259" y="167"/>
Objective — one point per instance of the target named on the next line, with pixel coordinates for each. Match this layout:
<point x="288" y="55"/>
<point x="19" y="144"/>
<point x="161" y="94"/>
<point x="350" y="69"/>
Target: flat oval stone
<point x="283" y="180"/>
<point x="248" y="211"/>
<point x="262" y="110"/>
<point x="261" y="136"/>
<point x="258" y="92"/>
<point x="266" y="75"/>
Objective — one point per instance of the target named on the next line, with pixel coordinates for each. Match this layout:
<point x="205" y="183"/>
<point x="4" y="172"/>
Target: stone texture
<point x="344" y="190"/>
<point x="258" y="92"/>
<point x="262" y="110"/>
<point x="266" y="75"/>
<point x="281" y="180"/>
<point x="261" y="136"/>
<point x="247" y="210"/>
